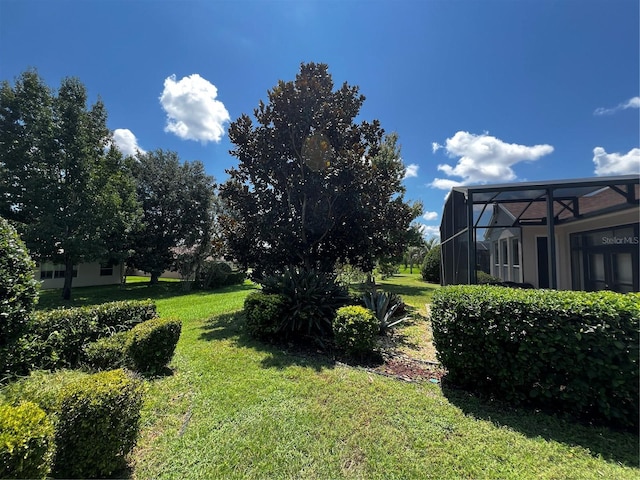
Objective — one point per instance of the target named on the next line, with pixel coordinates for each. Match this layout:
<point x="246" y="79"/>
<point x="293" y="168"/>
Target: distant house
<point x="594" y="224"/>
<point x="84" y="274"/>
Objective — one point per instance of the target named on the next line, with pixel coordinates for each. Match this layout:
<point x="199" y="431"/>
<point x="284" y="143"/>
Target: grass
<point x="238" y="408"/>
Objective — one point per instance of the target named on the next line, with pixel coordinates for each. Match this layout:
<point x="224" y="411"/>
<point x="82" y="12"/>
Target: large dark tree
<point x="312" y="186"/>
<point x="61" y="183"/>
<point x="177" y="201"/>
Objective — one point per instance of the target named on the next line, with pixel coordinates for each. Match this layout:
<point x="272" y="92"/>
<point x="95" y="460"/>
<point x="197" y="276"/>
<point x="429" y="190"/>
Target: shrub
<point x="18" y="294"/>
<point x="485" y="278"/>
<point x="150" y="345"/>
<point x="311" y="298"/>
<point x="387" y="307"/>
<point x="430" y="270"/>
<point x="387" y="269"/>
<point x="355" y="329"/>
<point x="57" y="337"/>
<point x="570" y="351"/>
<point x="26" y="441"/>
<point x="216" y="274"/>
<point x="264" y="314"/>
<point x="107" y="353"/>
<point x="95" y="417"/>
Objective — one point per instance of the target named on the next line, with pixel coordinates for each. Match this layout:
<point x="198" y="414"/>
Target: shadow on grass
<point x="86" y="296"/>
<point x="231" y="326"/>
<point x="612" y="445"/>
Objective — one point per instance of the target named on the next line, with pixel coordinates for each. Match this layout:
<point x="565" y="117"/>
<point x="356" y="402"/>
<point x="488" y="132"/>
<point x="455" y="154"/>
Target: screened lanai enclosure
<point x="504" y="231"/>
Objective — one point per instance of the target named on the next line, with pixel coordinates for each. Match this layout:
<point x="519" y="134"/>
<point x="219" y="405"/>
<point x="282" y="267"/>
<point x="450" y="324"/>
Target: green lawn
<point x="238" y="408"/>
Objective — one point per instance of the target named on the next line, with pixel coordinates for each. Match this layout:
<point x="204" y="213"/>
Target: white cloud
<point x="126" y="141"/>
<point x="193" y="113"/>
<point x="430" y="216"/>
<point x="435" y="146"/>
<point x="631" y="103"/>
<point x="484" y="159"/>
<point x="411" y="171"/>
<point x="429" y="230"/>
<point x="616" y="163"/>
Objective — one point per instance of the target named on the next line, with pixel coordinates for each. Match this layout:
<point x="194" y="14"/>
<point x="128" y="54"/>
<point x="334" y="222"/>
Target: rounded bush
<point x="95" y="417"/>
<point x="26" y="441"/>
<point x="356" y="329"/>
<point x="151" y="344"/>
<point x="431" y="266"/>
<point x="107" y="353"/>
<point x="18" y="294"/>
<point x="264" y="313"/>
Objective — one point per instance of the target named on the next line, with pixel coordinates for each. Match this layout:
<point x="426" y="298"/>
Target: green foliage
<point x="107" y="353"/>
<point x="26" y="441"/>
<point x="215" y="274"/>
<point x="151" y="344"/>
<point x="264" y="314"/>
<point x="313" y="188"/>
<point x="56" y="338"/>
<point x="431" y="265"/>
<point x="62" y="181"/>
<point x="18" y="295"/>
<point x="485" y="278"/>
<point x="95" y="418"/>
<point x="311" y="298"/>
<point x="387" y="269"/>
<point x="570" y="351"/>
<point x="387" y="307"/>
<point x="177" y="201"/>
<point x="356" y="330"/>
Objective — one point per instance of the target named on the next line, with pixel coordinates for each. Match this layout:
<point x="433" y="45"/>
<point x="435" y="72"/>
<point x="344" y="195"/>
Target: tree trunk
<point x="154" y="278"/>
<point x="68" y="277"/>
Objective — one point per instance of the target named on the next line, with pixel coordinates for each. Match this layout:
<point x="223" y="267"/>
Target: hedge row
<point x="55" y="338"/>
<point x="95" y="424"/>
<point x="567" y="351"/>
<point x="147" y="348"/>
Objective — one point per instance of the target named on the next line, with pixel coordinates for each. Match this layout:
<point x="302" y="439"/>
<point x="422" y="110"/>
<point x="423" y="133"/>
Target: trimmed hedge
<point x="26" y="441"/>
<point x="95" y="417"/>
<point x="264" y="313"/>
<point x="147" y="348"/>
<point x="356" y="329"/>
<point x="57" y="337"/>
<point x="151" y="344"/>
<point x="568" y="351"/>
<point x="107" y="353"/>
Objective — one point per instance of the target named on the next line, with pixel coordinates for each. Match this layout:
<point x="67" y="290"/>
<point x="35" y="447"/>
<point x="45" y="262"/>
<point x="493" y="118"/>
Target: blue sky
<point x="487" y="91"/>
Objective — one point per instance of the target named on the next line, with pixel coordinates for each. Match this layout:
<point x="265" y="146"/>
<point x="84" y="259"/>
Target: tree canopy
<point x="178" y="202"/>
<point x="62" y="182"/>
<point x="312" y="186"/>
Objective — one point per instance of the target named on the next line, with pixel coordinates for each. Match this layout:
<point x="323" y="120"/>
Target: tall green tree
<point x="178" y="203"/>
<point x="63" y="184"/>
<point x="312" y="186"/>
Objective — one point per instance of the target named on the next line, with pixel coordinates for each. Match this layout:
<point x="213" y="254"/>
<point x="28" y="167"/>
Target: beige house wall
<point x="88" y="275"/>
<point x="563" y="244"/>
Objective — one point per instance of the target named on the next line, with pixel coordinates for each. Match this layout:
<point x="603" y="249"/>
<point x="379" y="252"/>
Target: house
<point x="594" y="224"/>
<point x="84" y="274"/>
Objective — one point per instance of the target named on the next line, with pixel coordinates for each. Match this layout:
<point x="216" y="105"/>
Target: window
<point x="515" y="260"/>
<point x="504" y="259"/>
<point x="50" y="270"/>
<point x="106" y="270"/>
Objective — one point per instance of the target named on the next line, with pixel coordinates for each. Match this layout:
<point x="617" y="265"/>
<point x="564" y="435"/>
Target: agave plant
<point x="311" y="299"/>
<point x="387" y="307"/>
